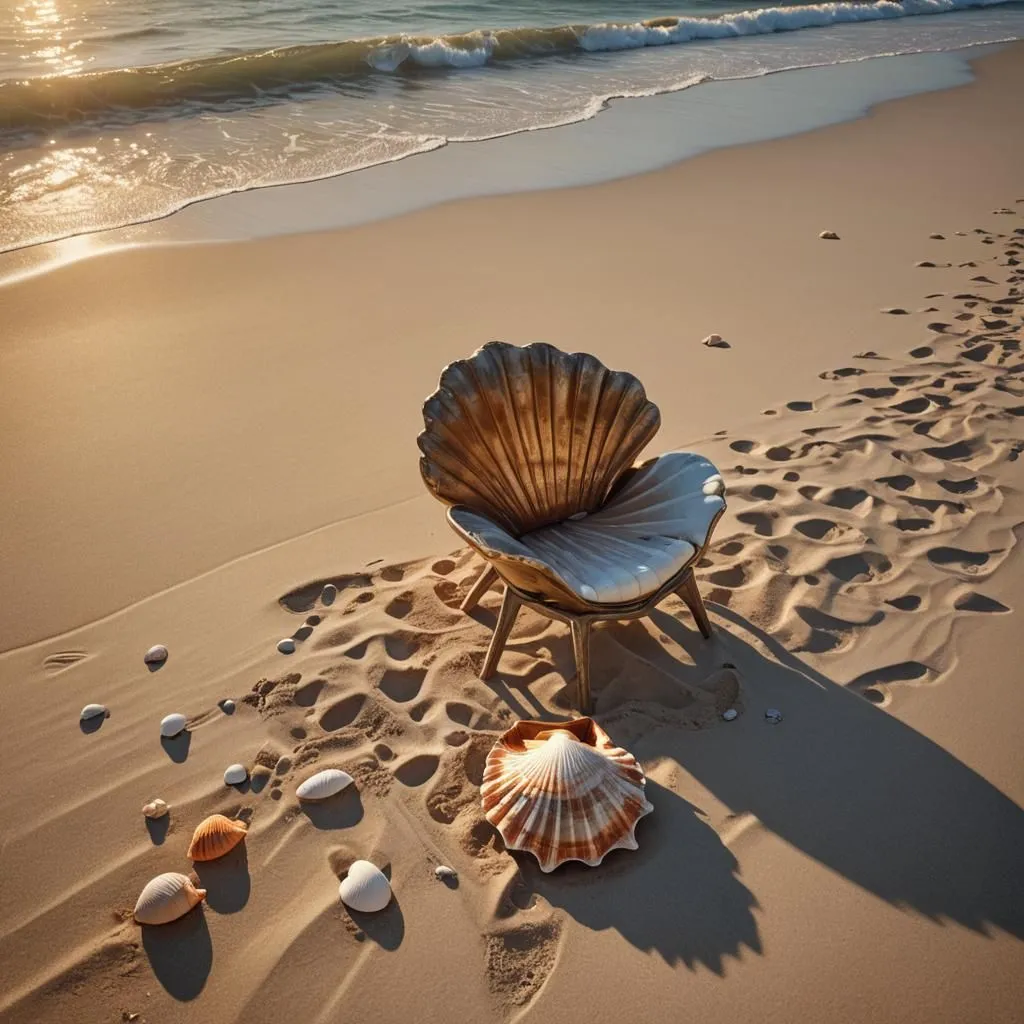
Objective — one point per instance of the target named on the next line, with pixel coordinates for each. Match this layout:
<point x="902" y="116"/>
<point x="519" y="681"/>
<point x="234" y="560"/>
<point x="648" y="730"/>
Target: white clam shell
<point x="286" y="646"/>
<point x="324" y="784"/>
<point x="166" y="898"/>
<point x="365" y="888"/>
<point x="442" y="871"/>
<point x="155" y="808"/>
<point x="328" y="594"/>
<point x="155" y="655"/>
<point x="730" y="714"/>
<point x="172" y="725"/>
<point x="235" y="775"/>
<point x="92" y="711"/>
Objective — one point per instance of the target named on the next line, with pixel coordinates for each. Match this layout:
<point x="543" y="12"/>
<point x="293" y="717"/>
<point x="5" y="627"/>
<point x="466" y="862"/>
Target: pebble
<point x="924" y="263"/>
<point x="895" y="311"/>
<point x="328" y="594"/>
<point x="730" y="715"/>
<point x="829" y="235"/>
<point x="156" y="655"/>
<point x="286" y="646"/>
<point x="715" y="341"/>
<point x="443" y="872"/>
<point x="235" y="775"/>
<point x="227" y="706"/>
<point x="938" y="237"/>
<point x="155" y="808"/>
<point x="773" y="715"/>
<point x="92" y="711"/>
<point x="172" y="725"/>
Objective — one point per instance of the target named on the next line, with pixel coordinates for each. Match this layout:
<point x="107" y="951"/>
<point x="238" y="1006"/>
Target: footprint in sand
<point x="399" y="607"/>
<point x="958" y="560"/>
<point x="342" y="713"/>
<point x="975" y="602"/>
<point x="520" y="959"/>
<point x="402" y="685"/>
<point x="417" y="770"/>
<point x="907" y="603"/>
<point x="54" y="663"/>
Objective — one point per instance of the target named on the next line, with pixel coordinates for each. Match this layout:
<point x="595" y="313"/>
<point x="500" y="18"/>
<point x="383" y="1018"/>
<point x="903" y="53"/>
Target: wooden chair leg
<point x="477" y="591"/>
<point x="691" y="595"/>
<point x="581" y="649"/>
<point x="506" y="618"/>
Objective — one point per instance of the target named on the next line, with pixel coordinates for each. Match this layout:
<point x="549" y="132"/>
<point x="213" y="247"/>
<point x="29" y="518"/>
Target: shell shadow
<point x="91" y="725"/>
<point x="698" y="916"/>
<point x="176" y="747"/>
<point x="386" y="927"/>
<point x="180" y="953"/>
<point x="157" y="829"/>
<point x="343" y="810"/>
<point x="226" y="880"/>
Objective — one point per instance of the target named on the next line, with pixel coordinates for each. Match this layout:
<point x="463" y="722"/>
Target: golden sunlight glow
<point x="45" y="28"/>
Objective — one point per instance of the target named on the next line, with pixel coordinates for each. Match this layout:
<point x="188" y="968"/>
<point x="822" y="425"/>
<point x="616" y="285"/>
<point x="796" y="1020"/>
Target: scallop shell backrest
<point x="530" y="436"/>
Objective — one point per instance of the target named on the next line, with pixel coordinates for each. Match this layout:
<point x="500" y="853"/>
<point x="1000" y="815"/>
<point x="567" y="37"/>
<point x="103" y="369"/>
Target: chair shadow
<point x="226" y="880"/>
<point x="180" y="953"/>
<point x="679" y="894"/>
<point x="853" y="787"/>
<point x="343" y="810"/>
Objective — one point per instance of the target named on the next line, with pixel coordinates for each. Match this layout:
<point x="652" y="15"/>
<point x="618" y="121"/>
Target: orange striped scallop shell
<point x="216" y="836"/>
<point x="563" y="791"/>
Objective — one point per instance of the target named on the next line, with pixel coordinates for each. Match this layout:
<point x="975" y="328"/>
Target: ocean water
<point x="114" y="112"/>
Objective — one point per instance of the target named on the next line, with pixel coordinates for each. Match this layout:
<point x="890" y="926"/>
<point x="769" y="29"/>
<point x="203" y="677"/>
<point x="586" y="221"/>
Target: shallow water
<point x="119" y="111"/>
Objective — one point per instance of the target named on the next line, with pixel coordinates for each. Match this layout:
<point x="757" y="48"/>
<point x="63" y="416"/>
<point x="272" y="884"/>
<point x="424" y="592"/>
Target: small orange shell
<point x="216" y="836"/>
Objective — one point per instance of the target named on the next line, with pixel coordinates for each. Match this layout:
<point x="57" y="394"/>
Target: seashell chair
<point x="533" y="450"/>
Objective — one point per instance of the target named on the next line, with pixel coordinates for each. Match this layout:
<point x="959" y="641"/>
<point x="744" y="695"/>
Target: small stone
<point x="773" y="715"/>
<point x="235" y="775"/>
<point x="227" y="706"/>
<point x="730" y="715"/>
<point x="92" y="711"/>
<point x="156" y="655"/>
<point x="172" y="725"/>
<point x="937" y="237"/>
<point x="715" y="341"/>
<point x="895" y="311"/>
<point x="155" y="808"/>
<point x="829" y="236"/>
<point x="445" y="873"/>
<point x="328" y="594"/>
<point x="286" y="646"/>
<point x="924" y="263"/>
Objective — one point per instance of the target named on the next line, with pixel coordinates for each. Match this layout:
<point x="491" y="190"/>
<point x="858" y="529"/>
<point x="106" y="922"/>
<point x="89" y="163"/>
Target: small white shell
<point x="155" y="808"/>
<point x="172" y="725"/>
<point x="286" y="646"/>
<point x="715" y="341"/>
<point x="443" y="872"/>
<point x="166" y="898"/>
<point x="328" y="594"/>
<point x="235" y="775"/>
<point x="773" y="715"/>
<point x="829" y="235"/>
<point x="155" y="655"/>
<point x="323" y="784"/>
<point x="730" y="714"/>
<point x="365" y="888"/>
<point x="92" y="711"/>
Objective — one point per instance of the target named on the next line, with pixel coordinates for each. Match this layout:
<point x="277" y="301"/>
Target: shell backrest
<point x="531" y="435"/>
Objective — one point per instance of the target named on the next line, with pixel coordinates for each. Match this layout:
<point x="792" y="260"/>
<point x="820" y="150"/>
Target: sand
<point x="196" y="439"/>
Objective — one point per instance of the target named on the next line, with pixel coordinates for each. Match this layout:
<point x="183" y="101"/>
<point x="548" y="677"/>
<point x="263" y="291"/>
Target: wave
<point x="250" y="79"/>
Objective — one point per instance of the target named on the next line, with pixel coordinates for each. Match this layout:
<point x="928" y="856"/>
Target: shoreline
<point x="530" y="160"/>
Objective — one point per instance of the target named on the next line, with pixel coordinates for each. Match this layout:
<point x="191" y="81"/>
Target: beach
<point x="198" y="435"/>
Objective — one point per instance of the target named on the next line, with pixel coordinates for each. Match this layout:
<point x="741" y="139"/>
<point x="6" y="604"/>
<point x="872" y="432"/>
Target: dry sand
<point x="195" y="440"/>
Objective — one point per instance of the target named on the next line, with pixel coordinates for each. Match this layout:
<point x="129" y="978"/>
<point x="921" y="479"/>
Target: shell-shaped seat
<point x="530" y="436"/>
<point x="647" y="532"/>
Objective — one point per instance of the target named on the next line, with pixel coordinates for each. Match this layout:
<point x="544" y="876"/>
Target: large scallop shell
<point x="530" y="436"/>
<point x="324" y="784"/>
<point x="365" y="888"/>
<point x="166" y="898"/>
<point x="214" y="836"/>
<point x="563" y="791"/>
